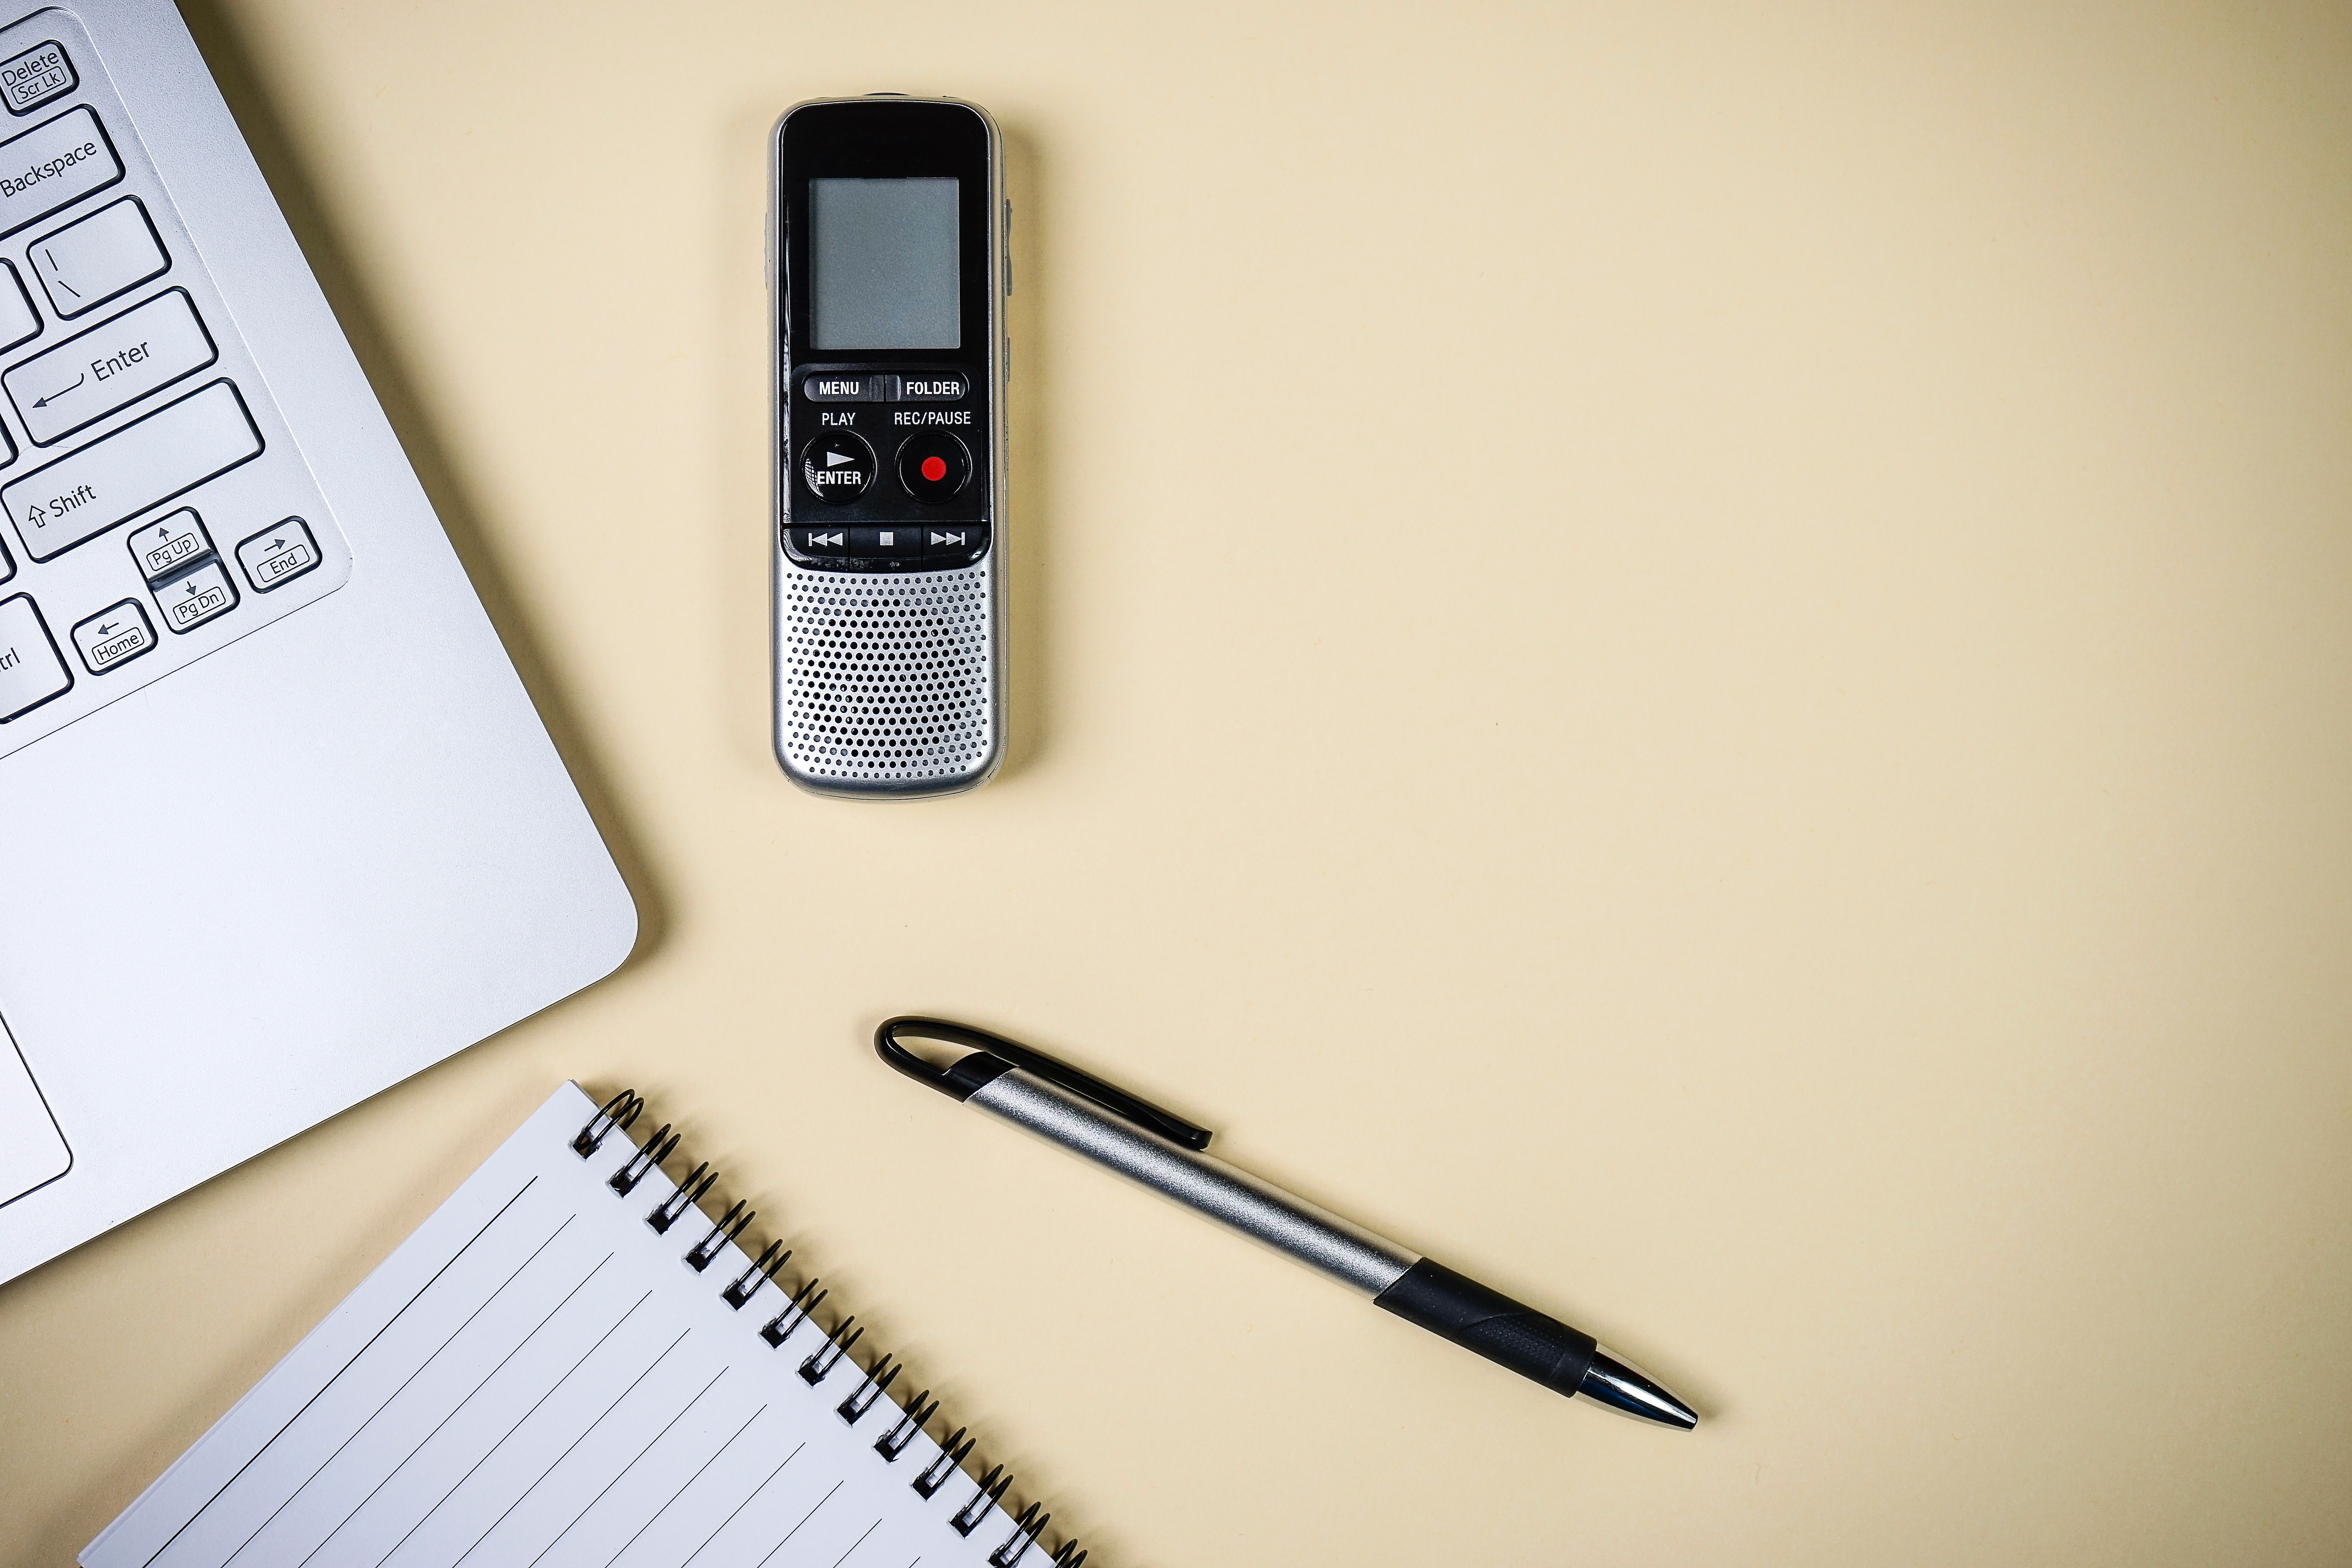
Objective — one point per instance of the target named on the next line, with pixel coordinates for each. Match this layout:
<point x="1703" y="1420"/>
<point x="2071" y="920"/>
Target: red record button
<point x="933" y="466"/>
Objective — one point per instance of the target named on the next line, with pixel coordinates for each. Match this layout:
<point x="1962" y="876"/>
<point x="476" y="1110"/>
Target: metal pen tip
<point x="1628" y="1390"/>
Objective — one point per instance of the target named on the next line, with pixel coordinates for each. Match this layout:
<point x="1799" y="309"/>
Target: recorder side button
<point x="838" y="467"/>
<point x="933" y="466"/>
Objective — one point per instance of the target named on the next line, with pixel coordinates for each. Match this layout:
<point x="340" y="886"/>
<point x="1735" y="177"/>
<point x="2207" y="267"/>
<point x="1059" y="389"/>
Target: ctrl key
<point x="115" y="635"/>
<point x="31" y="672"/>
<point x="197" y="598"/>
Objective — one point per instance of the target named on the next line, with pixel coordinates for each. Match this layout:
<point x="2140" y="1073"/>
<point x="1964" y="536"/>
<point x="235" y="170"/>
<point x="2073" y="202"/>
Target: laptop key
<point x="31" y="672"/>
<point x="30" y="79"/>
<point x="110" y="366"/>
<point x="19" y="322"/>
<point x="174" y="544"/>
<point x="146" y="462"/>
<point x="143" y="400"/>
<point x="278" y="554"/>
<point x="115" y="635"/>
<point x="197" y="597"/>
<point x="90" y="260"/>
<point x="53" y="165"/>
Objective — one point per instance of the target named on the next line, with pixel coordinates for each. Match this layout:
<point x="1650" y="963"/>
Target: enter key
<point x="111" y="366"/>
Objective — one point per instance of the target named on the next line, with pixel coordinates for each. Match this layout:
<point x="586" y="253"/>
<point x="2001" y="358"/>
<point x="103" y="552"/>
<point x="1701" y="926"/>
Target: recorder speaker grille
<point x="886" y="679"/>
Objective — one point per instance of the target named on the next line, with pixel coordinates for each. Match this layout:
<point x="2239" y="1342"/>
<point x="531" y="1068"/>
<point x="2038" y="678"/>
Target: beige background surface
<point x="1782" y="572"/>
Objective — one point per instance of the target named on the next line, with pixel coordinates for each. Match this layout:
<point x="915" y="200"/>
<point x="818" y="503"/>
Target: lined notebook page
<point x="536" y="1379"/>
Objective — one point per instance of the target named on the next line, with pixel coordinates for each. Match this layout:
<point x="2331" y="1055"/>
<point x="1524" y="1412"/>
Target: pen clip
<point x="998" y="1053"/>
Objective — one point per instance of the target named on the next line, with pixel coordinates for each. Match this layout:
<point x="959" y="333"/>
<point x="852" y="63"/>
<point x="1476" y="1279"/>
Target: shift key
<point x="110" y="366"/>
<point x="140" y="466"/>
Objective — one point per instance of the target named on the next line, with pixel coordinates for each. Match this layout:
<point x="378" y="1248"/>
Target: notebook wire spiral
<point x="833" y="1347"/>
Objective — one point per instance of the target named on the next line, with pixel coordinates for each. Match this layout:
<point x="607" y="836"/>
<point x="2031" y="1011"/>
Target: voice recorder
<point x="888" y="273"/>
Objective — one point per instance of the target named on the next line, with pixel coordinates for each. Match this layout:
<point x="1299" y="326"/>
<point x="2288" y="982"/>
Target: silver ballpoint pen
<point x="1104" y="1123"/>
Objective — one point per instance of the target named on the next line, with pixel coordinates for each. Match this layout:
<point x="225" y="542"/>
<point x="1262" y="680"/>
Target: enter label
<point x="110" y="366"/>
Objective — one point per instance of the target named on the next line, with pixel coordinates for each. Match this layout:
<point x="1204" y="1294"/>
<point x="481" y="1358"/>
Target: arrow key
<point x="173" y="544"/>
<point x="114" y="636"/>
<point x="278" y="554"/>
<point x="197" y="598"/>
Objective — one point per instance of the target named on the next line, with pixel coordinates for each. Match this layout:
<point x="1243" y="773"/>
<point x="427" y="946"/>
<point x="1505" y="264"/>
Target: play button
<point x="837" y="467"/>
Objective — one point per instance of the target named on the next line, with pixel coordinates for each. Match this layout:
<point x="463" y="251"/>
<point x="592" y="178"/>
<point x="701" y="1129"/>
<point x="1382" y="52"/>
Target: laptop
<point x="279" y="825"/>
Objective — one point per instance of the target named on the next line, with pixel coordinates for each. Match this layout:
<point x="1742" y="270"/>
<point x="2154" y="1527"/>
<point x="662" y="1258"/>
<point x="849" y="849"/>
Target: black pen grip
<point x="1490" y="1323"/>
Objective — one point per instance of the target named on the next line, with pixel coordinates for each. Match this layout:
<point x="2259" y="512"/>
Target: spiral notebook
<point x="571" y="1365"/>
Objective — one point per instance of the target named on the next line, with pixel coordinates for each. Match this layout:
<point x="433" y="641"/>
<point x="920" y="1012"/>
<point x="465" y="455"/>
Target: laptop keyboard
<point x="153" y="507"/>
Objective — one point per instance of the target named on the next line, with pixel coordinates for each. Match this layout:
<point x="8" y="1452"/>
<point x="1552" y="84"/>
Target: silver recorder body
<point x="889" y="673"/>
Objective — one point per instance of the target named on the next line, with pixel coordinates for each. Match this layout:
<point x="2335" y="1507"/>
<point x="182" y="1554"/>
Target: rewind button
<point x="823" y="542"/>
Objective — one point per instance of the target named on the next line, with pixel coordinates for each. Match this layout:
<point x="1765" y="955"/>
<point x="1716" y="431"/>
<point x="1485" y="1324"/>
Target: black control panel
<point x="887" y="472"/>
<point x="888" y="280"/>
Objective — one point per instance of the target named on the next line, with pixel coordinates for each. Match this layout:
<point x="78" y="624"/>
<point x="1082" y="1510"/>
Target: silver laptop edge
<point x="314" y="860"/>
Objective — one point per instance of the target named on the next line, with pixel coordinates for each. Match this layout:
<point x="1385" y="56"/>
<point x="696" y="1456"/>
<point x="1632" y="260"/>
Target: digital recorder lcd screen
<point x="885" y="255"/>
